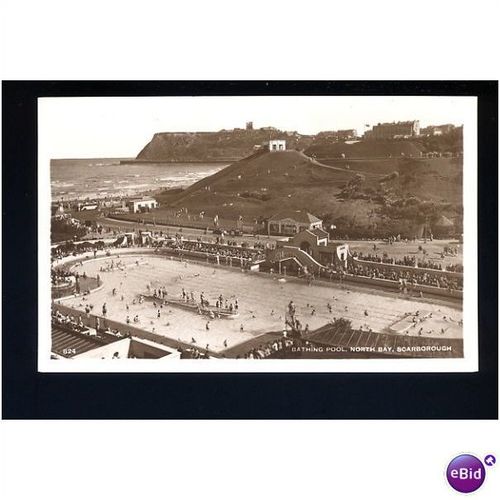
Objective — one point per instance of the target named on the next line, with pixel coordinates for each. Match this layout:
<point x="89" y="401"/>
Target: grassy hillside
<point x="390" y="194"/>
<point x="266" y="183"/>
<point x="364" y="149"/>
<point x="438" y="179"/>
<point x="416" y="192"/>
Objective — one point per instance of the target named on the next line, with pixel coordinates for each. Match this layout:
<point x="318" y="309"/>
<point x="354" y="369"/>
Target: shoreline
<point x="150" y="183"/>
<point x="177" y="162"/>
<point x="114" y="196"/>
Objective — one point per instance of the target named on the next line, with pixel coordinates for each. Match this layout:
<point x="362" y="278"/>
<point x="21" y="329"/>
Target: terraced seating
<point x="69" y="343"/>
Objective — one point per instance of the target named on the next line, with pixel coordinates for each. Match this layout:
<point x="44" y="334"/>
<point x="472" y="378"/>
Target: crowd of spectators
<point x="60" y="276"/>
<point x="76" y="325"/>
<point x="70" y="322"/>
<point x="407" y="260"/>
<point x="406" y="277"/>
<point x="410" y="261"/>
<point x="75" y="249"/>
<point x="217" y="249"/>
<point x="427" y="264"/>
<point x="455" y="268"/>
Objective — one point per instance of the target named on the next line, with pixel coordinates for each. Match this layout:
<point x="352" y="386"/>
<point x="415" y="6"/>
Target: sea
<point x="73" y="179"/>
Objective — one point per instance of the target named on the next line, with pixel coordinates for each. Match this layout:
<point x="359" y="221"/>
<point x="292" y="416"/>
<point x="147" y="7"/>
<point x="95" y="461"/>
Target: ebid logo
<point x="466" y="473"/>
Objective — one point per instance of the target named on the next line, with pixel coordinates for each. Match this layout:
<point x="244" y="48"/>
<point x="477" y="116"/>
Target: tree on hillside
<point x="352" y="187"/>
<point x="61" y="230"/>
<point x="358" y="179"/>
<point x="450" y="142"/>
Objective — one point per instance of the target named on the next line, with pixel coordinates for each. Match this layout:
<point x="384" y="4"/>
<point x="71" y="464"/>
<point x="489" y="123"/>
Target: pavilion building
<point x="291" y="222"/>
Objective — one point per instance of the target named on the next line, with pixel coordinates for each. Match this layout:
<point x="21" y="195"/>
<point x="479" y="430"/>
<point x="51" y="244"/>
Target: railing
<point x="303" y="257"/>
<point x="191" y="221"/>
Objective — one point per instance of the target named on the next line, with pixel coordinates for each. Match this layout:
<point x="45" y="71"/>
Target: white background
<point x="257" y="40"/>
<point x="111" y="127"/>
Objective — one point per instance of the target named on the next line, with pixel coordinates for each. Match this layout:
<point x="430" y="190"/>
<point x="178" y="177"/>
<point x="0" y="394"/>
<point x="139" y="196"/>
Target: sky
<point x="99" y="127"/>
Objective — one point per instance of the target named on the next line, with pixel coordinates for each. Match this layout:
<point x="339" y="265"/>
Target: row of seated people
<point x="67" y="250"/>
<point x="240" y="248"/>
<point x="455" y="268"/>
<point x="222" y="251"/>
<point x="59" y="276"/>
<point x="76" y="325"/>
<point x="409" y="260"/>
<point x="410" y="277"/>
<point x="69" y="322"/>
<point x="256" y="245"/>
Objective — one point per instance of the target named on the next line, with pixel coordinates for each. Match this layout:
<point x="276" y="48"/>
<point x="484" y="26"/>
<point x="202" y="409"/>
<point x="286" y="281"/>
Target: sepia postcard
<point x="258" y="234"/>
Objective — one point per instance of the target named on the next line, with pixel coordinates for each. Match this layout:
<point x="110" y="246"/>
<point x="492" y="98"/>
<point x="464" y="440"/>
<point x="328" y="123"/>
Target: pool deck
<point x="262" y="298"/>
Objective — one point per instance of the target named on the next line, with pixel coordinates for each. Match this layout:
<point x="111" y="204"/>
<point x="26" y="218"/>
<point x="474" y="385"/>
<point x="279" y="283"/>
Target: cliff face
<point x="225" y="145"/>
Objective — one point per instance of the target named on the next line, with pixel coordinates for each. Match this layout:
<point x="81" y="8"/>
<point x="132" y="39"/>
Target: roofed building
<point x="394" y="130"/>
<point x="142" y="204"/>
<point x="292" y="222"/>
<point x="433" y="130"/>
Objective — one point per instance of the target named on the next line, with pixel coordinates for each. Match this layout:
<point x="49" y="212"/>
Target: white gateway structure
<point x="277" y="145"/>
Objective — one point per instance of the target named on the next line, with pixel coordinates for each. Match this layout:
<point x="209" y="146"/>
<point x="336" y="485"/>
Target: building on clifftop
<point x="394" y="130"/>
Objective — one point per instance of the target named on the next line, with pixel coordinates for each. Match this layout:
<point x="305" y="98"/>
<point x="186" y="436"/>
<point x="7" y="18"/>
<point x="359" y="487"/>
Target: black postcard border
<point x="28" y="394"/>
